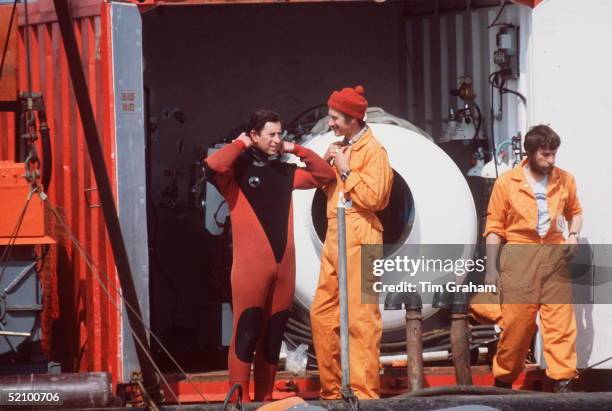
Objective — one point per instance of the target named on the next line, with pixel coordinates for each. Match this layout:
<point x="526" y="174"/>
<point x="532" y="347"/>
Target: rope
<point x="577" y="374"/>
<point x="228" y="398"/>
<point x="93" y="268"/>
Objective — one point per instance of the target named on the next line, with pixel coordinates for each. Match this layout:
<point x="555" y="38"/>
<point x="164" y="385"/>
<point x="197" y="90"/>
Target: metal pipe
<point x="70" y="390"/>
<point x="343" y="290"/>
<point x="458" y="397"/>
<point x="414" y="348"/>
<point x="427" y="356"/>
<point x="92" y="138"/>
<point x="460" y="348"/>
<point x="14" y="334"/>
<point x="413" y="305"/>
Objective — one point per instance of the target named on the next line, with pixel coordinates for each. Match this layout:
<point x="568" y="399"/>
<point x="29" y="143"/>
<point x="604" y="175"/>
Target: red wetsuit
<point x="258" y="194"/>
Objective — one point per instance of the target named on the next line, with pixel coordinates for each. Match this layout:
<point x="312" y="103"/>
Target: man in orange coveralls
<point x="529" y="209"/>
<point x="365" y="177"/>
<point x="257" y="187"/>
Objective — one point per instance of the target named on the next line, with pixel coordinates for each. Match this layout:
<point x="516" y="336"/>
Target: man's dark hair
<point x="261" y="117"/>
<point x="348" y="118"/>
<point x="541" y="136"/>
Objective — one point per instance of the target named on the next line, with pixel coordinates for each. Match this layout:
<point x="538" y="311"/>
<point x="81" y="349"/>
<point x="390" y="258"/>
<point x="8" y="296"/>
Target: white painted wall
<point x="570" y="89"/>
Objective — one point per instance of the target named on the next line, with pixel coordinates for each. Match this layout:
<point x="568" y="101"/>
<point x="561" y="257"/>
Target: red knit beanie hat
<point x="349" y="101"/>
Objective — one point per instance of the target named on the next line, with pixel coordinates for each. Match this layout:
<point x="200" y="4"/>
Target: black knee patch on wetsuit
<point x="247" y="333"/>
<point x="273" y="337"/>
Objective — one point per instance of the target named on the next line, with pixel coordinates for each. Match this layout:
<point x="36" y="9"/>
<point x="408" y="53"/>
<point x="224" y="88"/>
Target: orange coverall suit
<point x="368" y="186"/>
<point x="531" y="268"/>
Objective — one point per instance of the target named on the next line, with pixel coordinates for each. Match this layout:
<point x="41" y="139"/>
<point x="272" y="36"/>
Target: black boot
<point x="501" y="384"/>
<point x="561" y="386"/>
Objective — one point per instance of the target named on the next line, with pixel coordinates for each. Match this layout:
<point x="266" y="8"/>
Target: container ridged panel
<point x="86" y="333"/>
<point x="443" y="47"/>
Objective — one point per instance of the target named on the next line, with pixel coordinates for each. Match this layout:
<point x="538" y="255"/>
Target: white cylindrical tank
<point x="444" y="211"/>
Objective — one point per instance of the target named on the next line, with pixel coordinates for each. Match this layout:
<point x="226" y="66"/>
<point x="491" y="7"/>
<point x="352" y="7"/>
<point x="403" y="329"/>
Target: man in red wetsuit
<point x="257" y="187"/>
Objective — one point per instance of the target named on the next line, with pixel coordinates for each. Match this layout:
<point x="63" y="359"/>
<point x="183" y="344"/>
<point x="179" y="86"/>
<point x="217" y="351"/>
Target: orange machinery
<point x="26" y="290"/>
<point x="14" y="191"/>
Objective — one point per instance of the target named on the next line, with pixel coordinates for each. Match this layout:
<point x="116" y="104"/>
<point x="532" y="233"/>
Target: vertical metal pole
<point x="460" y="339"/>
<point x="343" y="289"/>
<point x="460" y="348"/>
<point x="414" y="348"/>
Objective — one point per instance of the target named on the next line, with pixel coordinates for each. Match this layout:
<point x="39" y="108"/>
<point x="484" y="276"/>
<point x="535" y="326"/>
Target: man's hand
<point x="493" y="242"/>
<point x="287" y="147"/>
<point x="571" y="248"/>
<point x="245" y="139"/>
<point x="492" y="277"/>
<point x="332" y="150"/>
<point x="341" y="161"/>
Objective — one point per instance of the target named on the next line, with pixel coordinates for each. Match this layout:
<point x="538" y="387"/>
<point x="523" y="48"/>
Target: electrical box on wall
<point x="506" y="55"/>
